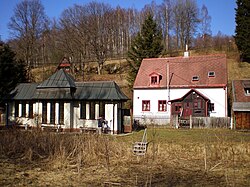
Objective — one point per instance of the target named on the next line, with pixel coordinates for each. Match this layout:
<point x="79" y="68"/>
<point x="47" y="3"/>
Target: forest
<point x="96" y="32"/>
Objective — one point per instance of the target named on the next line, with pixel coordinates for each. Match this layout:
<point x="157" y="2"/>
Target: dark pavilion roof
<point x="61" y="86"/>
<point x="60" y="79"/>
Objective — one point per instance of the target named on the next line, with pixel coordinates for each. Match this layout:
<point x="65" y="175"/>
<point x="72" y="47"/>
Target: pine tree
<point x="242" y="31"/>
<point x="146" y="44"/>
<point x="12" y="71"/>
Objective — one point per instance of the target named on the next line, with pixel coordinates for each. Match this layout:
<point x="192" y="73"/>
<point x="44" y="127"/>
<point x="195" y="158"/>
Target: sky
<point x="222" y="12"/>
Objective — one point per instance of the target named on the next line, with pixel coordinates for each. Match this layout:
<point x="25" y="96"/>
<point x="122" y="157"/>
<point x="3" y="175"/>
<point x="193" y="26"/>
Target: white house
<point x="60" y="102"/>
<point x="190" y="85"/>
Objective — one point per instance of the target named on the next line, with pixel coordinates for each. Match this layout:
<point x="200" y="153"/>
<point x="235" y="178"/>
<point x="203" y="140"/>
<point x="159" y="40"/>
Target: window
<point x="154" y="80"/>
<point x="61" y="113"/>
<point x="246" y="85"/>
<point x="44" y="112"/>
<point x="30" y="109"/>
<point x="162" y="105"/>
<point x="102" y="108"/>
<point x="16" y="109"/>
<point x="92" y="110"/>
<point x="211" y="74"/>
<point x="145" y="105"/>
<point x="198" y="103"/>
<point x="23" y="109"/>
<point x="195" y="78"/>
<point x="247" y="91"/>
<point x="211" y="107"/>
<point x="177" y="107"/>
<point x="83" y="110"/>
<point x="52" y="113"/>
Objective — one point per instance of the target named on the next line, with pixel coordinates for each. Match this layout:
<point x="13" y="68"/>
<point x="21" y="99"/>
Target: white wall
<point x="153" y="96"/>
<point x="66" y="115"/>
<point x="111" y="115"/>
<point x="216" y="95"/>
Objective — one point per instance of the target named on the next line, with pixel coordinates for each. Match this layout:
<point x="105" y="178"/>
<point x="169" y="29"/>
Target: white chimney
<point x="186" y="53"/>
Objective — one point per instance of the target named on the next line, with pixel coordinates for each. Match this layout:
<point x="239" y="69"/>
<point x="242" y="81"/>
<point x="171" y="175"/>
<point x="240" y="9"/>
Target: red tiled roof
<point x="239" y="92"/>
<point x="182" y="70"/>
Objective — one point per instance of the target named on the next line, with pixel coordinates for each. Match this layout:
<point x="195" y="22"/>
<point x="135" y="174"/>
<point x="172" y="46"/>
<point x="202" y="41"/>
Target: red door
<point x="187" y="111"/>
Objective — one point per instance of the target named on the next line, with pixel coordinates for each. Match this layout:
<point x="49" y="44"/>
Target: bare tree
<point x="206" y="32"/>
<point x="99" y="31"/>
<point x="27" y="24"/>
<point x="185" y="21"/>
<point x="165" y="10"/>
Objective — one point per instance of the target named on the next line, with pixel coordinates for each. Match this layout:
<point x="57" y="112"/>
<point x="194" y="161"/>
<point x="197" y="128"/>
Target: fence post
<point x="190" y="122"/>
<point x="176" y="121"/>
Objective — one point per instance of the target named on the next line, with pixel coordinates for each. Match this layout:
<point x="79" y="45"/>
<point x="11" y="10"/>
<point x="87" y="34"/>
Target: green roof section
<point x="24" y="91"/>
<point x="99" y="90"/>
<point x="60" y="79"/>
<point x="59" y="87"/>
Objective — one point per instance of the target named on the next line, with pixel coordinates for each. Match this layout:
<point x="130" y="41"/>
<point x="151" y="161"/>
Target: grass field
<point x="175" y="157"/>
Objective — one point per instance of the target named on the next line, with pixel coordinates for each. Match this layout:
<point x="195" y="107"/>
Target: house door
<point x="187" y="111"/>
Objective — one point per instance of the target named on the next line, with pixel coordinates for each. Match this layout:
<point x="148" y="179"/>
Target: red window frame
<point x="145" y="105"/>
<point x="162" y="105"/>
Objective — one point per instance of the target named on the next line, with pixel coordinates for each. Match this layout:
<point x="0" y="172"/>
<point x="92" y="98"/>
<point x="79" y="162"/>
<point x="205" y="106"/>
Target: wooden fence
<point x="201" y="122"/>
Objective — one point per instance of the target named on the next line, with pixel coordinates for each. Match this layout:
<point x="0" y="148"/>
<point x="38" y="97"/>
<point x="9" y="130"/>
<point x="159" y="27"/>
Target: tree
<point x="98" y="31"/>
<point x="146" y="44"/>
<point x="185" y="21"/>
<point x="166" y="21"/>
<point x="12" y="71"/>
<point x="27" y="25"/>
<point x="242" y="31"/>
<point x="206" y="32"/>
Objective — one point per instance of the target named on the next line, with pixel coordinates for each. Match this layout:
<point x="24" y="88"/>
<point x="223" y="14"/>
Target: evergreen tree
<point x="146" y="44"/>
<point x="12" y="72"/>
<point x="242" y="31"/>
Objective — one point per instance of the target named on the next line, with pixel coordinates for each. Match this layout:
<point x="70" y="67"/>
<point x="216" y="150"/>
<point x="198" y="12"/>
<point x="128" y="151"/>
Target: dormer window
<point x="211" y="74"/>
<point x="155" y="79"/>
<point x="195" y="78"/>
<point x="246" y="85"/>
<point x="247" y="91"/>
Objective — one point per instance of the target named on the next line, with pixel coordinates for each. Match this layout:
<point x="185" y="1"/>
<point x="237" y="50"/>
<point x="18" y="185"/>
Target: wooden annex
<point x="241" y="104"/>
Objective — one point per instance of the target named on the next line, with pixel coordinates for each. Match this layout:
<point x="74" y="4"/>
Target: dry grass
<point x="174" y="158"/>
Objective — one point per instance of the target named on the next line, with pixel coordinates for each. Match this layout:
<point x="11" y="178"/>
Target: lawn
<point x="175" y="157"/>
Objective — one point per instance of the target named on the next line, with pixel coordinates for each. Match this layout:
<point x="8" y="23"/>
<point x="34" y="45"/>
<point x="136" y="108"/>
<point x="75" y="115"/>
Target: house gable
<point x="192" y="103"/>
